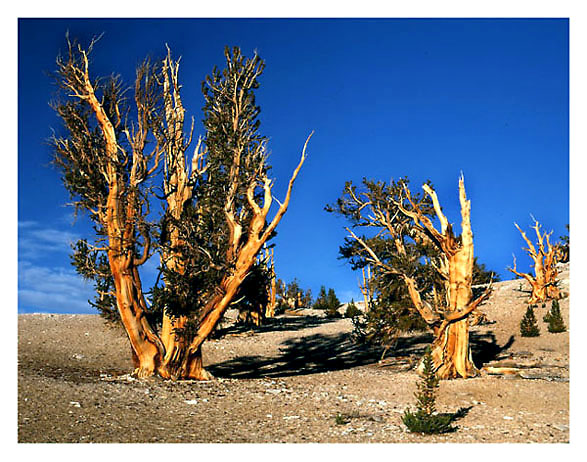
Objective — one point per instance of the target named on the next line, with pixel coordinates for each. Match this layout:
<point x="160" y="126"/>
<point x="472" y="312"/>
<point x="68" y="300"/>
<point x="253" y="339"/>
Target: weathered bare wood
<point x="545" y="257"/>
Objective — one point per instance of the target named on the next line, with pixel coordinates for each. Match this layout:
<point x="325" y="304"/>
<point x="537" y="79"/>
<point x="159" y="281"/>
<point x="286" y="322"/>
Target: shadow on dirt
<point x="318" y="353"/>
<point x="313" y="354"/>
<point x="285" y="323"/>
<point x="485" y="348"/>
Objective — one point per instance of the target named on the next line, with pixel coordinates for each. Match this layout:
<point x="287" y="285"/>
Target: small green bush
<point x="554" y="319"/>
<point x="528" y="324"/>
<point x="328" y="302"/>
<point x="352" y="310"/>
<point x="420" y="422"/>
<point x="425" y="420"/>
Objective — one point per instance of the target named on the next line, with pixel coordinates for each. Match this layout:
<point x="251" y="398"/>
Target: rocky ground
<point x="297" y="379"/>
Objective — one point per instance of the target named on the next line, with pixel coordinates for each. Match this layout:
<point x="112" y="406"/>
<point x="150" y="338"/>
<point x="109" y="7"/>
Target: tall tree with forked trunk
<point x="232" y="203"/>
<point x="545" y="257"/>
<point x="439" y="287"/>
<point x="107" y="164"/>
<point x="216" y="204"/>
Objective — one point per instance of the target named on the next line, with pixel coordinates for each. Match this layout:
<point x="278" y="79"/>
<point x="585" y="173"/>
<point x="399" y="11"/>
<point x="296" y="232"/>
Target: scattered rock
<point x="298" y="373"/>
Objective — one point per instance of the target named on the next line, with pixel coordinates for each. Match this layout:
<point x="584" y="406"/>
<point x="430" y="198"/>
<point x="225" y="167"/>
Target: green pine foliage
<point x="235" y="156"/>
<point x="93" y="266"/>
<point x="352" y="310"/>
<point x="391" y="312"/>
<point x="425" y="420"/>
<point x="555" y="319"/>
<point x="528" y="324"/>
<point x="329" y="302"/>
<point x="78" y="148"/>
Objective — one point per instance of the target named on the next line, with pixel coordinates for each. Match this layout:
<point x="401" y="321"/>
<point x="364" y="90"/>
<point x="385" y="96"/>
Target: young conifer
<point x="528" y="325"/>
<point x="554" y="319"/>
<point x="425" y="420"/>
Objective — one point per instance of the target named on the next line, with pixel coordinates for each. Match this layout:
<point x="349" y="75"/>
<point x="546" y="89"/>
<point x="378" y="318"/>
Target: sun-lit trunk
<point x="270" y="310"/>
<point x="545" y="257"/>
<point x="451" y="351"/>
<point x="130" y="303"/>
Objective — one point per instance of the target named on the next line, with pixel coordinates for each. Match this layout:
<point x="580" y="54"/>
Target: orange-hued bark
<point x="545" y="257"/>
<point x="451" y="352"/>
<point x="118" y="219"/>
<point x="269" y="262"/>
<point x="245" y="255"/>
<point x="178" y="188"/>
<point x="448" y="311"/>
<point x="124" y="168"/>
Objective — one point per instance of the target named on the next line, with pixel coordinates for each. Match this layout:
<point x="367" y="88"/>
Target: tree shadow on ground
<point x="312" y="354"/>
<point x="282" y="323"/>
<point x="484" y="347"/>
<point x="318" y="353"/>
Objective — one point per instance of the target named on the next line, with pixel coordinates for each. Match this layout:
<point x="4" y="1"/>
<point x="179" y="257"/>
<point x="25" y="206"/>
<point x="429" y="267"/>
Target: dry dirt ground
<point x="287" y="382"/>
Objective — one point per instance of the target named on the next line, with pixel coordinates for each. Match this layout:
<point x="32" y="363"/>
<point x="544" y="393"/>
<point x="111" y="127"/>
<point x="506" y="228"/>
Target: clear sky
<point x="424" y="98"/>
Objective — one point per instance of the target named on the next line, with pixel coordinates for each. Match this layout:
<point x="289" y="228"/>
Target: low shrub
<point x="555" y="319"/>
<point x="352" y="310"/>
<point x="425" y="420"/>
<point x="528" y="324"/>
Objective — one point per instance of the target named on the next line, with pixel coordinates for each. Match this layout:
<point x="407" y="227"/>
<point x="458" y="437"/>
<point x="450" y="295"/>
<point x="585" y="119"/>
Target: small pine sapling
<point x="554" y="319"/>
<point x="528" y="325"/>
<point x="352" y="310"/>
<point x="425" y="419"/>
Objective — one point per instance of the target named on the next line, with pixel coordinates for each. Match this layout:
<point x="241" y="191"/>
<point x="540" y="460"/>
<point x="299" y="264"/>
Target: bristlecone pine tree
<point x="216" y="206"/>
<point x="425" y="420"/>
<point x="528" y="324"/>
<point x="439" y="290"/>
<point x="545" y="257"/>
<point x="565" y="246"/>
<point x="269" y="264"/>
<point x="555" y="319"/>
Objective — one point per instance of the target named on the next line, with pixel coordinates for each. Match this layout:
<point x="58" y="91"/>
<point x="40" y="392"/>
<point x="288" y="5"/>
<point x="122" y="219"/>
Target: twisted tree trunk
<point x="447" y="312"/>
<point x="119" y="221"/>
<point x="147" y="348"/>
<point x="451" y="351"/>
<point x="545" y="257"/>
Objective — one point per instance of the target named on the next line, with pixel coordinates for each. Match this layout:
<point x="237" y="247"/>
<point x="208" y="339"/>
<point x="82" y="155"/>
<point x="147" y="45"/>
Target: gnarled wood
<point x="447" y="309"/>
<point x="113" y="158"/>
<point x="178" y="185"/>
<point x="545" y="257"/>
<point x="451" y="352"/>
<point x="246" y="253"/>
<point x="119" y="219"/>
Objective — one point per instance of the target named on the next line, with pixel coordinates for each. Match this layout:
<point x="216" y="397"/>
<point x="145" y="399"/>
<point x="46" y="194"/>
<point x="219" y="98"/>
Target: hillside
<point x="287" y="382"/>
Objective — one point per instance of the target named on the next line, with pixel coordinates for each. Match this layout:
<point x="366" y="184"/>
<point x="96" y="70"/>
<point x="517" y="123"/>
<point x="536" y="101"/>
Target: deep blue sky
<point x="425" y="99"/>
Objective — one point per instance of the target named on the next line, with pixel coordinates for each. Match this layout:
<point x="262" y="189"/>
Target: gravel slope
<point x="287" y="382"/>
